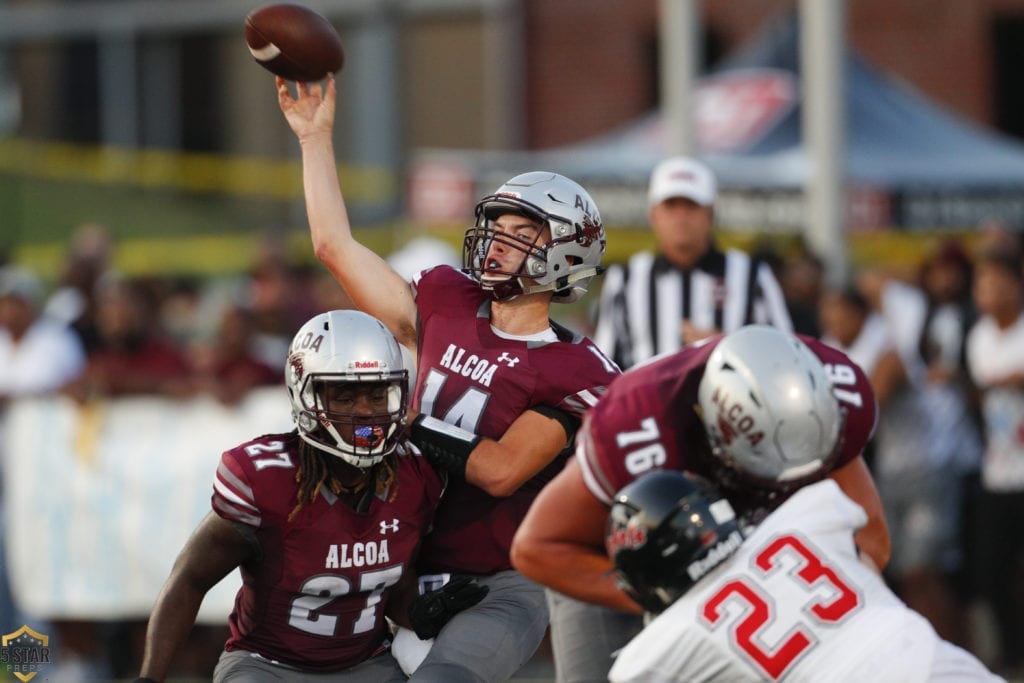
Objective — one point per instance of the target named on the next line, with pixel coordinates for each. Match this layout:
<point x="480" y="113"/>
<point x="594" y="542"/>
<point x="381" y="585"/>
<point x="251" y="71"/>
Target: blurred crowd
<point x="943" y="346"/>
<point x="923" y="337"/>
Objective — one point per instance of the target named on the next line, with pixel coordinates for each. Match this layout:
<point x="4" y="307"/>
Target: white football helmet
<point x="768" y="409"/>
<point x="341" y="347"/>
<point x="566" y="264"/>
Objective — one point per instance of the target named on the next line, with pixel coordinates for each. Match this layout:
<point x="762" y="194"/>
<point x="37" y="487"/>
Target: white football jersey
<point x="793" y="604"/>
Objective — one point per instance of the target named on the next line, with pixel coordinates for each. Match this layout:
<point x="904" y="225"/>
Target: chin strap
<point x="563" y="286"/>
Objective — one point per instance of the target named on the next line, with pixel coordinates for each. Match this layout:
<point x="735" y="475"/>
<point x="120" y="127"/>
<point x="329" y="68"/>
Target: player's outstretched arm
<point x="215" y="548"/>
<point x="501" y="466"/>
<point x="560" y="543"/>
<point x="373" y="285"/>
<point x="873" y="539"/>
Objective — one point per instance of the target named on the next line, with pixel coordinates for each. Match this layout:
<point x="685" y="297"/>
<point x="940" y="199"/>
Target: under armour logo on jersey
<point x="507" y="359"/>
<point x="384" y="526"/>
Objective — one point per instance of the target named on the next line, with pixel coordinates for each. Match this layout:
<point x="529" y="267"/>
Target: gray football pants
<point x="585" y="637"/>
<point x="491" y="641"/>
<point x="245" y="667"/>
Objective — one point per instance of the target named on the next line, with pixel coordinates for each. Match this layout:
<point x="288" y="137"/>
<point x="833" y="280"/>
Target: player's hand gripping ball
<point x="293" y="42"/>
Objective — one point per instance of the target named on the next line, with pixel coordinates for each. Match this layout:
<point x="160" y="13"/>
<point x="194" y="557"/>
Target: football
<point x="294" y="42"/>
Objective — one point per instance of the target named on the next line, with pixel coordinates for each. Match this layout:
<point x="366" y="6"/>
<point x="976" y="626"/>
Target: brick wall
<point x="592" y="63"/>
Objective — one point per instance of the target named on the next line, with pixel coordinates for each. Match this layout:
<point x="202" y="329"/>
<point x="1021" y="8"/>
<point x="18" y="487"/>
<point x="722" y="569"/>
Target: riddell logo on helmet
<point x="716" y="555"/>
<point x="366" y="364"/>
<point x="733" y="422"/>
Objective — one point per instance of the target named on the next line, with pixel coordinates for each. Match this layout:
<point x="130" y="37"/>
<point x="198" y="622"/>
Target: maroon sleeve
<point x="254" y="483"/>
<point x="853" y="389"/>
<point x="233" y="495"/>
<point x="576" y="377"/>
<point x="644" y="422"/>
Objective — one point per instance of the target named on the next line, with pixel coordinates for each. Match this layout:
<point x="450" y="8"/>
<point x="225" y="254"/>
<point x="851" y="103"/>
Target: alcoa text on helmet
<point x="768" y="409"/>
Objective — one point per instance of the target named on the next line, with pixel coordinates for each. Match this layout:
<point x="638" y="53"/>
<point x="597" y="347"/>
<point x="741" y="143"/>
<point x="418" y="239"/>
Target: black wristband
<point x="444" y="445"/>
<point x="143" y="679"/>
<point x="570" y="423"/>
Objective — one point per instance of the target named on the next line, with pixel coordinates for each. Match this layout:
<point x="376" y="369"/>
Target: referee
<point x="689" y="289"/>
<point x="656" y="304"/>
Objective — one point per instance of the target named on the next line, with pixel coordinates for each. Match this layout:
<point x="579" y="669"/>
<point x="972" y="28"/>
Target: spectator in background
<point x="848" y="324"/>
<point x="688" y="290"/>
<point x="327" y="294"/>
<point x="38" y="355"/>
<point x="946" y="278"/>
<point x="995" y="355"/>
<point x="803" y="277"/>
<point x="276" y="293"/>
<point x="132" y="355"/>
<point x="227" y="367"/>
<point x="995" y="235"/>
<point x="925" y="435"/>
<point x="88" y="261"/>
<point x="182" y="316"/>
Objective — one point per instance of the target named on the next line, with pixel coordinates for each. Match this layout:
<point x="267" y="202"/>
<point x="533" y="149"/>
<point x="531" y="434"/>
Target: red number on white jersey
<point x="812" y="572"/>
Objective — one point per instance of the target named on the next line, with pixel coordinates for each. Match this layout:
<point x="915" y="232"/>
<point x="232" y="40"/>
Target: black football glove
<point x="431" y="611"/>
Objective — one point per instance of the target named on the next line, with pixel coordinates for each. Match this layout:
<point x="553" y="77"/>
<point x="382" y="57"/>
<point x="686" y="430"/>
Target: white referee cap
<point x="682" y="177"/>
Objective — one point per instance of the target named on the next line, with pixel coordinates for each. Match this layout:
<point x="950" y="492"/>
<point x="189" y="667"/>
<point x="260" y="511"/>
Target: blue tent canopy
<point x="895" y="137"/>
<point x="924" y="165"/>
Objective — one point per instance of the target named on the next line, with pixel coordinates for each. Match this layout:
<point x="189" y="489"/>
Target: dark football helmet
<point x="565" y="265"/>
<point x="666" y="530"/>
<point x="337" y="349"/>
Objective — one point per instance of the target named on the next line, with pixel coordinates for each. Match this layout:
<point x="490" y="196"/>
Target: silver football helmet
<point x="341" y="348"/>
<point x="566" y="264"/>
<point x="768" y="409"/>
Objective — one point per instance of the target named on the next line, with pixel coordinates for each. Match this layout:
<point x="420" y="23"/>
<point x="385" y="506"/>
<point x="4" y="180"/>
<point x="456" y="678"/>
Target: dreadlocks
<point x="314" y="472"/>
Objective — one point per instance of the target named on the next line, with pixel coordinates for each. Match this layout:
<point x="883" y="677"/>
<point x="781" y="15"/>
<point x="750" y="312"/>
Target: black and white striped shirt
<point x="644" y="302"/>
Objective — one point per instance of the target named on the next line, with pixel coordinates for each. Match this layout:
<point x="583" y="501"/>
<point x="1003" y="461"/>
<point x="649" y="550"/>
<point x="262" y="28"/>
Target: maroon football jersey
<point x="316" y="597"/>
<point x="647" y="420"/>
<point x="472" y="377"/>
